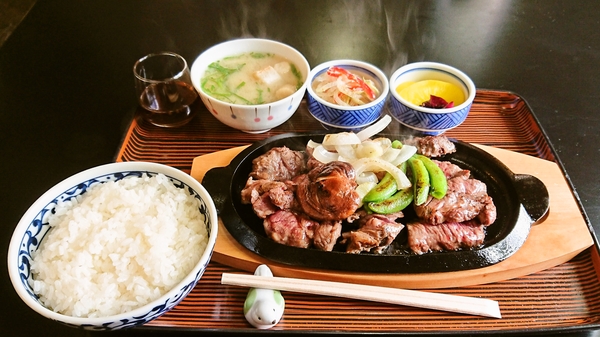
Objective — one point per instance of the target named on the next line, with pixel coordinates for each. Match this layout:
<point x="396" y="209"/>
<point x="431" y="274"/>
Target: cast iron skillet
<point x="521" y="200"/>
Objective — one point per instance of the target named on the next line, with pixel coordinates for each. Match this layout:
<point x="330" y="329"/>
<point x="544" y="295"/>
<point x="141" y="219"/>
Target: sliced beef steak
<point x="466" y="199"/>
<point x="279" y="164"/>
<point x="305" y="203"/>
<point x="297" y="230"/>
<point x="290" y="228"/>
<point x="423" y="237"/>
<point x="375" y="233"/>
<point x="432" y="146"/>
<point x="326" y="235"/>
<point x="258" y="187"/>
<point x="268" y="196"/>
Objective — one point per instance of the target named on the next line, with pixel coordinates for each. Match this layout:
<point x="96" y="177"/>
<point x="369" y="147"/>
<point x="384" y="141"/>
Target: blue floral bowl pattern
<point x="342" y="117"/>
<point x="33" y="227"/>
<point x="428" y="120"/>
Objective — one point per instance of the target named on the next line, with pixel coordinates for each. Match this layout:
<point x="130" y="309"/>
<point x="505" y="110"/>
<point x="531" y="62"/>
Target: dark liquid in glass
<point x="168" y="104"/>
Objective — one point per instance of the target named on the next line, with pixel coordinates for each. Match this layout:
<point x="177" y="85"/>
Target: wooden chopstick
<point x="420" y="299"/>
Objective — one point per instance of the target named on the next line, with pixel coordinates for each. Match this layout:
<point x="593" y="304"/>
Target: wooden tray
<point x="562" y="298"/>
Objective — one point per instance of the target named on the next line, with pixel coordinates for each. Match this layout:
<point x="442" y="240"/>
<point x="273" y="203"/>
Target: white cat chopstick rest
<point x="263" y="308"/>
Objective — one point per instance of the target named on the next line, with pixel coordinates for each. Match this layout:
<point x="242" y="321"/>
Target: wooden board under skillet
<point x="553" y="297"/>
<point x="546" y="246"/>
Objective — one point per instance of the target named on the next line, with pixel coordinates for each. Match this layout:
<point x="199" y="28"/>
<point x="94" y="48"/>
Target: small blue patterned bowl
<point x="430" y="121"/>
<point x="347" y="117"/>
<point x="33" y="227"/>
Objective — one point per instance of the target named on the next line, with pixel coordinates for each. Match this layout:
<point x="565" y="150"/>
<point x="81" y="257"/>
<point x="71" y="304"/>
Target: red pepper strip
<point x="337" y="71"/>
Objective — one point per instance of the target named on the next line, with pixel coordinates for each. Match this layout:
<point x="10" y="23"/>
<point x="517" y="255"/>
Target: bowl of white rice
<point x="114" y="246"/>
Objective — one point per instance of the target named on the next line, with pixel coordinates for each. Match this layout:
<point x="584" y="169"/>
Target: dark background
<point x="66" y="87"/>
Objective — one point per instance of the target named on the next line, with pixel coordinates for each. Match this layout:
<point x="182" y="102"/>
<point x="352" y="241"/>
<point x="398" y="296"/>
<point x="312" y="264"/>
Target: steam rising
<point x="249" y="20"/>
<point x="398" y="25"/>
<point x="351" y="29"/>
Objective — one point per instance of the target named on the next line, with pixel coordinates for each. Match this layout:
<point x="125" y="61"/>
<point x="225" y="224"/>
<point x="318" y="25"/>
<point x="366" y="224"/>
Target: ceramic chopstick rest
<point x="263" y="308"/>
<point x="420" y="299"/>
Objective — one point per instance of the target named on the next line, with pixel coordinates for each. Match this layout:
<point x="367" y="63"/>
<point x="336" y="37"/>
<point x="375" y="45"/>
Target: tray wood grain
<point x="546" y="246"/>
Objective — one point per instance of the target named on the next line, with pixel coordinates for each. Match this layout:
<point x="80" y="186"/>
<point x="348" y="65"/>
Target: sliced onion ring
<point x="346" y="151"/>
<point x="364" y="188"/>
<point x="376" y="165"/>
<point x="366" y="177"/>
<point x="406" y="151"/>
<point x="312" y="144"/>
<point x="321" y="154"/>
<point x="340" y="138"/>
<point x="369" y="149"/>
<point x="374" y="129"/>
<point x="384" y="142"/>
<point x="391" y="154"/>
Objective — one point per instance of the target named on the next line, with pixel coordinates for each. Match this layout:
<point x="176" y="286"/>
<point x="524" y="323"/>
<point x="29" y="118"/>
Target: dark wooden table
<point x="67" y="96"/>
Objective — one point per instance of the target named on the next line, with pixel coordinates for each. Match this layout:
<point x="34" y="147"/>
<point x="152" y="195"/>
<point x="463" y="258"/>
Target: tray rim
<point x="559" y="162"/>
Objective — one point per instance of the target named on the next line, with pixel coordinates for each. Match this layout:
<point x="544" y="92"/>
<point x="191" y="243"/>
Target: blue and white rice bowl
<point x="34" y="228"/>
<point x="347" y="117"/>
<point x="428" y="120"/>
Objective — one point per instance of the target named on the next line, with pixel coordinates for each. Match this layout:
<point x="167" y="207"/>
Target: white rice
<point x="119" y="246"/>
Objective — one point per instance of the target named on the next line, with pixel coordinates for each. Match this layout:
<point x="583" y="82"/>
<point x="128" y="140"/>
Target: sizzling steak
<point x="267" y="196"/>
<point x="423" y="238"/>
<point x="326" y="235"/>
<point x="432" y="146"/>
<point x="466" y="199"/>
<point x="290" y="228"/>
<point x="375" y="233"/>
<point x="279" y="164"/>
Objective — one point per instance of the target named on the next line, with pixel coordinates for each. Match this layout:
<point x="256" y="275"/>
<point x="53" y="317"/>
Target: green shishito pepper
<point x="385" y="197"/>
<point x="396" y="203"/>
<point x="384" y="189"/>
<point x="437" y="178"/>
<point x="427" y="179"/>
<point x="421" y="184"/>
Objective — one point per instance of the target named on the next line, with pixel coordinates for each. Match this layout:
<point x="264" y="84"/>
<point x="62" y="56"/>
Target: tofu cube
<point x="268" y="76"/>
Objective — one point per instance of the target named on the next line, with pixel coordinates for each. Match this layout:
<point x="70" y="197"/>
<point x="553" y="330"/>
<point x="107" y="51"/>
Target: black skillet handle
<point x="533" y="195"/>
<point x="217" y="183"/>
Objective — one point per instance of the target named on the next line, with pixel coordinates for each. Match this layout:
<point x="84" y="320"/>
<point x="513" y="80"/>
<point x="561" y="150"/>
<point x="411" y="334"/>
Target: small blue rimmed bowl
<point x="347" y="117"/>
<point x="430" y="121"/>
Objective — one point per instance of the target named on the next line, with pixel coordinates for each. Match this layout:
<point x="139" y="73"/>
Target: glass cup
<point x="164" y="89"/>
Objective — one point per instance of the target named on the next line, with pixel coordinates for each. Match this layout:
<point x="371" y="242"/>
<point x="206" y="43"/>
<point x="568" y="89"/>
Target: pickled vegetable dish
<point x="346" y="88"/>
<point x="433" y="94"/>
